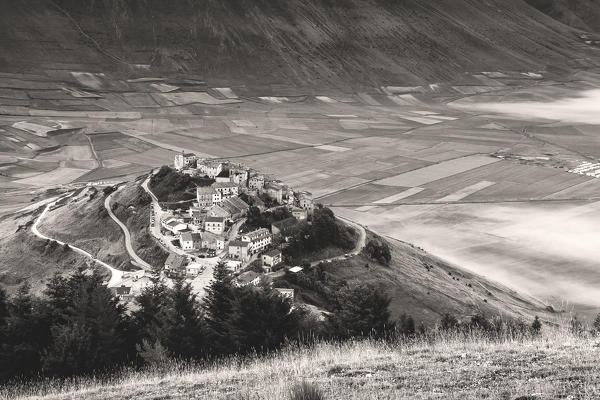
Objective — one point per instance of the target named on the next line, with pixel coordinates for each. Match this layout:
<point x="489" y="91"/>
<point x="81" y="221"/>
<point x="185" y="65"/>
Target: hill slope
<point x="550" y="368"/>
<point x="581" y="14"/>
<point x="418" y="284"/>
<point x="342" y="42"/>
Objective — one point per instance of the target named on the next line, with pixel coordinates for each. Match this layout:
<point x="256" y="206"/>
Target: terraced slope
<point x="341" y="43"/>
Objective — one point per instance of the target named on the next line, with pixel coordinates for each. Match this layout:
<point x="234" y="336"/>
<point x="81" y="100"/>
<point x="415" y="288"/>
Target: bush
<point x="306" y="391"/>
<point x="378" y="250"/>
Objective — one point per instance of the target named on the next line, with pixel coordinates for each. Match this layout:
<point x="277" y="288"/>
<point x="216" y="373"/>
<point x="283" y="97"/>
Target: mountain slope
<point x="337" y="42"/>
<point x="581" y="14"/>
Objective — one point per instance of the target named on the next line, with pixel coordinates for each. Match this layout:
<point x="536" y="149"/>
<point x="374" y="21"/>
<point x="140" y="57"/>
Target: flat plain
<point x="476" y="173"/>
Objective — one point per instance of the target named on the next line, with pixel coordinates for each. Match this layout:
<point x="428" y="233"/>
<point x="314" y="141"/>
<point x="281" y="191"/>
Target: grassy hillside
<point x="552" y="367"/>
<point x="133" y="206"/>
<point x="419" y="284"/>
<point x="24" y="258"/>
<point x="582" y="14"/>
<point x="341" y="43"/>
<point x="83" y="221"/>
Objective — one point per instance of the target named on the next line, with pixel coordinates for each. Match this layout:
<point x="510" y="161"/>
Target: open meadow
<point x="555" y="366"/>
<point x="473" y="170"/>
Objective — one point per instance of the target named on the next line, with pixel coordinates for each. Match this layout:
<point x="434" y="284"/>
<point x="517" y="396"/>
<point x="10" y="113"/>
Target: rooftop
<point x="273" y="253"/>
<point x="191" y="237"/>
<point x="215" y="219"/>
<point x="247" y="277"/>
<point x="224" y="185"/>
<point x="238" y="243"/>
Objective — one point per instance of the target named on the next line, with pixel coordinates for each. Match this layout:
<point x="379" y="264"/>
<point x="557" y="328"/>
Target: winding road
<point x="116" y="274"/>
<point x="136" y="260"/>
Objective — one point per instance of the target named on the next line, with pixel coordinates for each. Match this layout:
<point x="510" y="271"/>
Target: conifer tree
<point x="361" y="311"/>
<point x="186" y="335"/>
<point x="217" y="307"/>
<point x="262" y="320"/>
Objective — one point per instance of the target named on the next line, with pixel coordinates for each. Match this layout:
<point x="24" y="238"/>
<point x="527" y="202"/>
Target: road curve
<point x="116" y="274"/>
<point x="137" y="260"/>
<point x="360" y="243"/>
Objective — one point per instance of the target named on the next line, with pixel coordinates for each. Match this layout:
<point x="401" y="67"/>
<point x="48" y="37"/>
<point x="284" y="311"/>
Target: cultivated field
<point x="455" y="167"/>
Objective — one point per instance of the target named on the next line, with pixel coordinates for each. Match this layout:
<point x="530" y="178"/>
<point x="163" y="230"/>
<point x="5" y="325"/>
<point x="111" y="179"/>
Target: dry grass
<point x="555" y="366"/>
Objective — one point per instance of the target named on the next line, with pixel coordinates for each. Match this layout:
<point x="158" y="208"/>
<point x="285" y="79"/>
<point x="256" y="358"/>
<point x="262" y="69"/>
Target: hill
<point x="342" y="43"/>
<point x="82" y="220"/>
<point x="418" y="283"/>
<point x="552" y="367"/>
<point x="581" y="14"/>
<point x="27" y="259"/>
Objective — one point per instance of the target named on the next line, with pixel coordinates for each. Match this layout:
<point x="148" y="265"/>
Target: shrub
<point x="306" y="391"/>
<point x="378" y="250"/>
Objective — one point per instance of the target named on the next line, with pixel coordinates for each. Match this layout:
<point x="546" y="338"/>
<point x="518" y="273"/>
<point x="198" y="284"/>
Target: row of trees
<point x="79" y="327"/>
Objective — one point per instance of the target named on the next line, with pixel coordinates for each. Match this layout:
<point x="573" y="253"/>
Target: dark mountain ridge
<point x="304" y="43"/>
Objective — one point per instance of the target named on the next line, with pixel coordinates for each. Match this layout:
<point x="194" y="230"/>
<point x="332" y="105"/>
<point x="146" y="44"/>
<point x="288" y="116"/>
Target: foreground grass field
<point x="556" y="365"/>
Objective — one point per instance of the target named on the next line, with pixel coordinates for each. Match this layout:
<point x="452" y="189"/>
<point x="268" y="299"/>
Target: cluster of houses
<point x="202" y="229"/>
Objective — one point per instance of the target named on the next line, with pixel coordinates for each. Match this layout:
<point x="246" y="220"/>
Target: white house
<point x="183" y="160"/>
<point x="258" y="239"/>
<point x="272" y="258"/>
<point x="174" y="225"/>
<point x="226" y="189"/>
<point x="214" y="225"/>
<point x="210" y="168"/>
<point x="190" y="241"/>
<point x="207" y="196"/>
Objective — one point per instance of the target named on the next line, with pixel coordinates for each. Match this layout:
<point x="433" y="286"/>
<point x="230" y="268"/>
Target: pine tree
<point x="536" y="326"/>
<point x="152" y="318"/>
<point x="217" y="307"/>
<point x="26" y="334"/>
<point x="596" y="324"/>
<point x="186" y="335"/>
<point x="89" y="327"/>
<point x="262" y="320"/>
<point x="361" y="311"/>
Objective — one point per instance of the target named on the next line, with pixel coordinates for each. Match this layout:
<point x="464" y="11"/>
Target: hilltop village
<point x="213" y="228"/>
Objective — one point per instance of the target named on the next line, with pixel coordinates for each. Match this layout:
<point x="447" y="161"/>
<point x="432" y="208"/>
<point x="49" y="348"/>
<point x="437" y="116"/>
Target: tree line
<point x="79" y="327"/>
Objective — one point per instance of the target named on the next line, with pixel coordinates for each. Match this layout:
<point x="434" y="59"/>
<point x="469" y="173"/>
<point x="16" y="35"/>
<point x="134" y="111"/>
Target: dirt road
<point x="136" y="260"/>
<point x="116" y="274"/>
